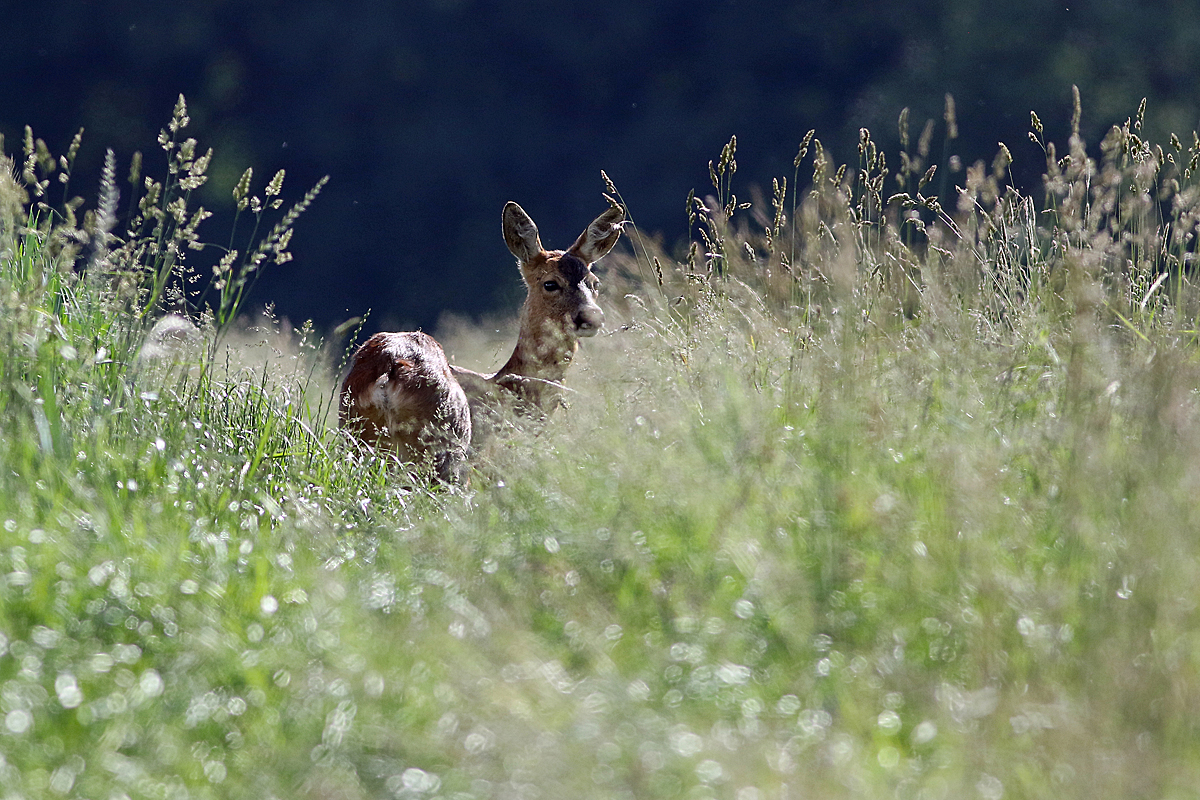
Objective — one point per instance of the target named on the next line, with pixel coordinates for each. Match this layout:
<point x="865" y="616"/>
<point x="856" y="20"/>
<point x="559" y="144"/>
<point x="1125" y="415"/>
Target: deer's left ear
<point x="595" y="242"/>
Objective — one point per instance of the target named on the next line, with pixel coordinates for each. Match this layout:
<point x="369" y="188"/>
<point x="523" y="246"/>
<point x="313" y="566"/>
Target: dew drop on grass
<point x="151" y="683"/>
<point x="475" y="742"/>
<point x="419" y="781"/>
<point x="18" y="721"/>
<point x="62" y="779"/>
<point x="127" y="653"/>
<point x="842" y="749"/>
<point x="67" y="689"/>
<point x="685" y="743"/>
<point x="924" y="733"/>
<point x="743" y="609"/>
<point x="638" y="691"/>
<point x="733" y="674"/>
<point x="215" y="771"/>
<point x="44" y="637"/>
<point x="18" y="577"/>
<point x="710" y="771"/>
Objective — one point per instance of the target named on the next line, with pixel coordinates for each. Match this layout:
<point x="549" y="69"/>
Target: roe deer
<point x="402" y="393"/>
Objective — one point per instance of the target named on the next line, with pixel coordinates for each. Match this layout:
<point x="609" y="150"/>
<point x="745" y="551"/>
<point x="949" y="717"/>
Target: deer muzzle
<point x="588" y="321"/>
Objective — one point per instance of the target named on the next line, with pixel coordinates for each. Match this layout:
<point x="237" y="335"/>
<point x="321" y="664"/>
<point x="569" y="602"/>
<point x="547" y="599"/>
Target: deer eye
<point x="551" y="286"/>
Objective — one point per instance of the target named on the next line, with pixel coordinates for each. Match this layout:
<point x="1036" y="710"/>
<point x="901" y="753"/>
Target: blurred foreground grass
<point x="862" y="497"/>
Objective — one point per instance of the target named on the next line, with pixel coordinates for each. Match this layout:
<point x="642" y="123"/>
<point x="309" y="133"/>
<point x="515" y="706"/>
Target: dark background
<point x="430" y="114"/>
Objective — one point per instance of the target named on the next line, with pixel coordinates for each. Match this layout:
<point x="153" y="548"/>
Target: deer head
<point x="561" y="303"/>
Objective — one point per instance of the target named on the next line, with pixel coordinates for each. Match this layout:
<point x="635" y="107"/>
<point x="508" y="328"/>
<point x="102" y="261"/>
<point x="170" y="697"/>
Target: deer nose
<point x="589" y="321"/>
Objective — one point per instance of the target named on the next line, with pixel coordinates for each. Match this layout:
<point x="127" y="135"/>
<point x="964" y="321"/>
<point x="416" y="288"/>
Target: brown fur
<point x="401" y="392"/>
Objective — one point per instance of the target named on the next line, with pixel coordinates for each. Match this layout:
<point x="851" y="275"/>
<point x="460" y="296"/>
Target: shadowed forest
<point x="430" y="114"/>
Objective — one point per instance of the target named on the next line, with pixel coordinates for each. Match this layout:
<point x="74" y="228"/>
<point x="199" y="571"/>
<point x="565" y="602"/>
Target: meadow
<point x="869" y="492"/>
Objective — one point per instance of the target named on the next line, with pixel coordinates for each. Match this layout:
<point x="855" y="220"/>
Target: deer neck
<point x="539" y="360"/>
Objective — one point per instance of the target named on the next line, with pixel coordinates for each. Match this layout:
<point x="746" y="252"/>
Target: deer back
<point x="400" y="394"/>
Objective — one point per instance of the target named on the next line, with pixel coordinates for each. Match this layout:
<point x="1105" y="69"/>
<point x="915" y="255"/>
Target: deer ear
<point x="595" y="242"/>
<point x="520" y="234"/>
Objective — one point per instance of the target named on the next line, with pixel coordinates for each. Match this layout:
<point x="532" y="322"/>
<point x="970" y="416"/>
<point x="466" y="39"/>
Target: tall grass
<point x="868" y="493"/>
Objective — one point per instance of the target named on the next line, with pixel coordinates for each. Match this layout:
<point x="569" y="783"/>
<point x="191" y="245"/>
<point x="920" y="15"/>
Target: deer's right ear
<point x="520" y="234"/>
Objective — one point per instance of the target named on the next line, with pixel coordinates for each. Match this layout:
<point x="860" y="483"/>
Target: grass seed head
<point x="951" y="117"/>
<point x="242" y="188"/>
<point x="275" y="186"/>
<point x="609" y="186"/>
<point x="925" y="141"/>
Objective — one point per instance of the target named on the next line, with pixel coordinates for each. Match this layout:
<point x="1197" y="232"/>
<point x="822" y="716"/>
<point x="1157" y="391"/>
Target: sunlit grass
<point x="863" y="496"/>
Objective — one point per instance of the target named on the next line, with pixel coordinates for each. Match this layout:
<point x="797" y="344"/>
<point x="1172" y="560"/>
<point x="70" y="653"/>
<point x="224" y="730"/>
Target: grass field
<point x="867" y="495"/>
